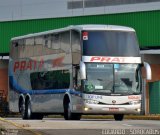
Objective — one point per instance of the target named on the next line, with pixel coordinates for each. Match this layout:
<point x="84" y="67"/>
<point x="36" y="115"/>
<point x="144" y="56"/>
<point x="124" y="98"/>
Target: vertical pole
<point x="143" y="103"/>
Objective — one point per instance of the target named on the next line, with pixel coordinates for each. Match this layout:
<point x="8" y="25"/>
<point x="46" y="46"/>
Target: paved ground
<point x="58" y="126"/>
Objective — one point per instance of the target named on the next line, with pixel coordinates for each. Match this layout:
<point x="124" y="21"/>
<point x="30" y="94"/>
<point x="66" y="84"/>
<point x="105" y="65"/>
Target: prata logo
<point x="28" y="65"/>
<point x="37" y="64"/>
<point x="113" y="101"/>
<point x="107" y="59"/>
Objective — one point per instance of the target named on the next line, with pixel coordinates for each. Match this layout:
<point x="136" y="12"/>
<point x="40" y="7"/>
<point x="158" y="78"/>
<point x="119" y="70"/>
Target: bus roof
<point x="79" y="28"/>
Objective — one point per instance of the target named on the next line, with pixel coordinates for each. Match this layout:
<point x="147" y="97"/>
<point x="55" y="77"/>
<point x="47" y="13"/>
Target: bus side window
<point x="29" y="47"/>
<point x="14" y="50"/>
<point x="65" y="42"/>
<point x="76" y="49"/>
<point x="47" y="45"/>
<point x="21" y="47"/>
<point x="38" y="46"/>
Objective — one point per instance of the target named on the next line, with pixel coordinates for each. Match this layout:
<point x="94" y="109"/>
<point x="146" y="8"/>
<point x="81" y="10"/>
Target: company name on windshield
<point x="107" y="59"/>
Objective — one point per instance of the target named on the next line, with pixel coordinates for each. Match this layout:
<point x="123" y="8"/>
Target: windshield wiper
<point x="135" y="93"/>
<point x="104" y="91"/>
<point x="127" y="93"/>
<point x="132" y="93"/>
<point x="100" y="79"/>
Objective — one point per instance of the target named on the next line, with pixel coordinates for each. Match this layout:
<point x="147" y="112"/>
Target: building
<point x="20" y="17"/>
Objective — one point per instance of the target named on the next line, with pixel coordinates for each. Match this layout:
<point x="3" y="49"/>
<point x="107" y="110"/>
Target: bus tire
<point x="28" y="110"/>
<point x="67" y="111"/>
<point x="68" y="115"/>
<point x="118" y="117"/>
<point x="22" y="109"/>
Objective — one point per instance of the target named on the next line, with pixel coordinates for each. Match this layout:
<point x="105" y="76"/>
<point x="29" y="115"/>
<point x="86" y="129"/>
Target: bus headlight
<point x="138" y="110"/>
<point x="91" y="101"/>
<point x="135" y="102"/>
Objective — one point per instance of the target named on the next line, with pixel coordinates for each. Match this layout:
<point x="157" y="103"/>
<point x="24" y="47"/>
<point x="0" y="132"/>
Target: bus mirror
<point x="82" y="70"/>
<point x="148" y="71"/>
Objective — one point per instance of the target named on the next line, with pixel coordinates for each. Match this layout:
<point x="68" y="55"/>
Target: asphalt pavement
<point x="58" y="126"/>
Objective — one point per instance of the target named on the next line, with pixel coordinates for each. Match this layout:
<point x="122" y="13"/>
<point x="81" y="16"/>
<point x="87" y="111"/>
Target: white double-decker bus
<point x="83" y="69"/>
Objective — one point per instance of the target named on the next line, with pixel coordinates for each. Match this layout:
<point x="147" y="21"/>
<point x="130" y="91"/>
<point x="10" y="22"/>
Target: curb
<point x="18" y="126"/>
<point x="128" y="117"/>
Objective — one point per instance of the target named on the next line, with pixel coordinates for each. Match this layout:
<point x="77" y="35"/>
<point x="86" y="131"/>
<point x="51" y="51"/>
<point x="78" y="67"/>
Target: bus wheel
<point x="22" y="110"/>
<point x="28" y="110"/>
<point x="67" y="111"/>
<point x="68" y="115"/>
<point x="118" y="117"/>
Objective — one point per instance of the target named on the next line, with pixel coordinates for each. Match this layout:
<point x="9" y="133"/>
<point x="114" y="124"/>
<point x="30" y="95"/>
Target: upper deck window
<point x="75" y="4"/>
<point x="110" y="43"/>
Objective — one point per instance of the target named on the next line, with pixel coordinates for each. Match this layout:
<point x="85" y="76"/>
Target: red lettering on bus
<point x="115" y="60"/>
<point x="16" y="66"/>
<point x="58" y="62"/>
<point x="95" y="58"/>
<point x="29" y="65"/>
<point x="134" y="97"/>
<point x="22" y="65"/>
<point x="105" y="59"/>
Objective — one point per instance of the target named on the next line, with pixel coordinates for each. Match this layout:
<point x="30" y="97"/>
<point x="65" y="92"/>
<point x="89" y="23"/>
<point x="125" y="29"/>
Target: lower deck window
<point x="59" y="79"/>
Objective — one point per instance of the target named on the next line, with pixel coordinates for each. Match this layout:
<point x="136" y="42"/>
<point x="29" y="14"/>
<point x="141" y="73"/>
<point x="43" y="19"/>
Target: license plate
<point x="113" y="109"/>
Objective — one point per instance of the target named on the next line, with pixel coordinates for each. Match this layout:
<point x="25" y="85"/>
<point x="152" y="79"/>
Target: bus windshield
<point x="110" y="43"/>
<point x="112" y="78"/>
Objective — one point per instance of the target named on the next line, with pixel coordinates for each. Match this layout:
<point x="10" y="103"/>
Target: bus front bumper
<point x="111" y="109"/>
